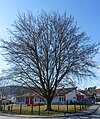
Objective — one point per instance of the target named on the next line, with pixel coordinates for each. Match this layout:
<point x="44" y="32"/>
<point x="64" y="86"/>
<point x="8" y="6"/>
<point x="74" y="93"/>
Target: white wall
<point x="39" y="100"/>
<point x="71" y="96"/>
<point x="13" y="99"/>
<point x="56" y="99"/>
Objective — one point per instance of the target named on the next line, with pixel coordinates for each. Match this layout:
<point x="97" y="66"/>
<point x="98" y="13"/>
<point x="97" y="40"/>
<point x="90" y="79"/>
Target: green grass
<point x="28" y="109"/>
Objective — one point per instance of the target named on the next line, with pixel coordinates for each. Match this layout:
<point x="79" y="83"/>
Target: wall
<point x="71" y="96"/>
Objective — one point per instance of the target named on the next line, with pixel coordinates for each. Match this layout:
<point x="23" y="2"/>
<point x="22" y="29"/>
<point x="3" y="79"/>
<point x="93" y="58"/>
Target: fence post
<point x="20" y="108"/>
<point x="1" y="107"/>
<point x="58" y="106"/>
<point x="89" y="104"/>
<point x="8" y="108"/>
<point x="32" y="109"/>
<point x="48" y="111"/>
<point x="80" y="105"/>
<point x="39" y="108"/>
<point x="67" y="105"/>
<point x="85" y="106"/>
<point x="74" y="106"/>
<point x="4" y="107"/>
<point x="11" y="108"/>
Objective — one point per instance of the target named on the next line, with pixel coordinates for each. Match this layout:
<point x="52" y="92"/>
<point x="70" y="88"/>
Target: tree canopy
<point x="46" y="51"/>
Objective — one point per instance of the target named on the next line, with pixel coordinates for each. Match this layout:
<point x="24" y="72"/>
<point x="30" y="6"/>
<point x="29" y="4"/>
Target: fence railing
<point x="41" y="109"/>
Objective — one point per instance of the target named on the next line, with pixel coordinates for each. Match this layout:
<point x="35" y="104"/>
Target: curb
<point x="33" y="116"/>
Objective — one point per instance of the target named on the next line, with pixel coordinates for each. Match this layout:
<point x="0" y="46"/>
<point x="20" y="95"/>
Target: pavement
<point x="92" y="109"/>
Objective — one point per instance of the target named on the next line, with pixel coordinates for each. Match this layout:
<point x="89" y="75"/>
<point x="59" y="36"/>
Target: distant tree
<point x="91" y="92"/>
<point x="46" y="51"/>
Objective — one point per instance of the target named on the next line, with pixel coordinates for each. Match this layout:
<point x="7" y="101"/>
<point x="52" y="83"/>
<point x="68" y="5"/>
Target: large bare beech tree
<point x="46" y="51"/>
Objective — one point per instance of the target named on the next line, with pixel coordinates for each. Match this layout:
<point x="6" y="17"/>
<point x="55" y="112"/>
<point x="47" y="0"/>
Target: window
<point x="61" y="98"/>
<point x="37" y="100"/>
<point x="41" y="100"/>
<point x="75" y="97"/>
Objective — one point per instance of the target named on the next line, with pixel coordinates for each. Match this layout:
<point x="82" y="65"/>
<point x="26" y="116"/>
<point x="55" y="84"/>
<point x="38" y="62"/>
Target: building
<point x="61" y="97"/>
<point x="98" y="94"/>
<point x="11" y="98"/>
<point x="80" y="95"/>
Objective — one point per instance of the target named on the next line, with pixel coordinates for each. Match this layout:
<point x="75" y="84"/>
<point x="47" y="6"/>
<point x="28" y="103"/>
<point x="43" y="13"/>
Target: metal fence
<point x="41" y="109"/>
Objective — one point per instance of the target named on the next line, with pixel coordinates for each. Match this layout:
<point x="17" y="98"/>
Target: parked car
<point x="86" y="101"/>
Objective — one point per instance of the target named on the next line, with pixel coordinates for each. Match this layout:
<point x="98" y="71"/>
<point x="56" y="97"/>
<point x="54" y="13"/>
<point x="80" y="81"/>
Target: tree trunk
<point x="49" y="105"/>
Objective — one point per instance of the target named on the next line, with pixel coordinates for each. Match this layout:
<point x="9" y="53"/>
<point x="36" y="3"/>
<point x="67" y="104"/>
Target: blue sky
<point x="85" y="12"/>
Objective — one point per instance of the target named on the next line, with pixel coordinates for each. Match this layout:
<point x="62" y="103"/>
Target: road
<point x="5" y="117"/>
<point x="96" y="115"/>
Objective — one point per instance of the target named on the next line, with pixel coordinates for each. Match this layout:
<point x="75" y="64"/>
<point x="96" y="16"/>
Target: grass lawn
<point x="40" y="109"/>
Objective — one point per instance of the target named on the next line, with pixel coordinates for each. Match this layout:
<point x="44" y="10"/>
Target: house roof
<point x="64" y="91"/>
<point x="58" y="92"/>
<point x="80" y="93"/>
<point x="98" y="91"/>
<point x="10" y="96"/>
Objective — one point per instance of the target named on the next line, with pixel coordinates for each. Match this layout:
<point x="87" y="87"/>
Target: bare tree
<point x="46" y="51"/>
